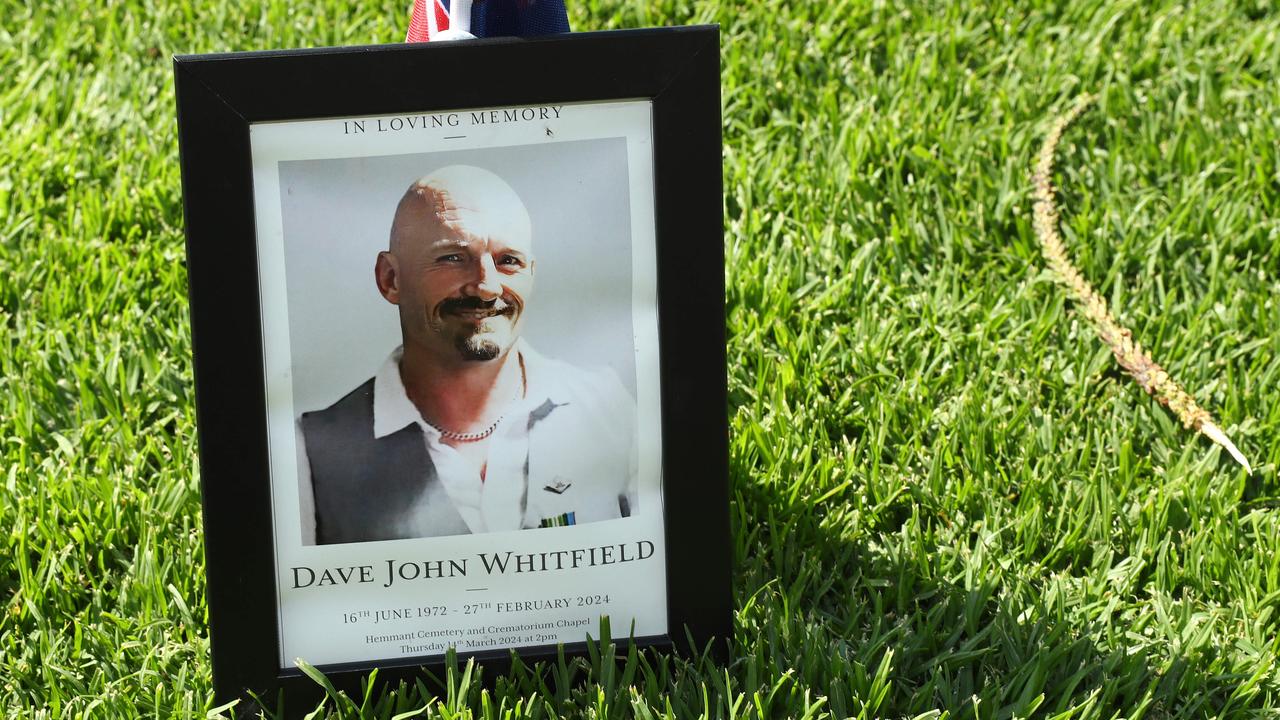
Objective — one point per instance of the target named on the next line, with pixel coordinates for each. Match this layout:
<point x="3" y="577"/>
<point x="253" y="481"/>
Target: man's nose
<point x="488" y="282"/>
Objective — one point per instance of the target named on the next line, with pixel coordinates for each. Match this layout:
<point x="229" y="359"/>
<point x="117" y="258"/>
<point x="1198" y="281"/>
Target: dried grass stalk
<point x="1150" y="376"/>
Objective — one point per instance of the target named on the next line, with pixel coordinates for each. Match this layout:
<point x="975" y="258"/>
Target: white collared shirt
<point x="531" y="469"/>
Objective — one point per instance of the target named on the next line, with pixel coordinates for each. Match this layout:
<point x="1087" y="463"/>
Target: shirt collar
<point x="393" y="410"/>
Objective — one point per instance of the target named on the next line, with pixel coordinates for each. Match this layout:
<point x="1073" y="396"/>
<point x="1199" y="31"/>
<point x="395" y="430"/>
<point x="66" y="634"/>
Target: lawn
<point x="946" y="499"/>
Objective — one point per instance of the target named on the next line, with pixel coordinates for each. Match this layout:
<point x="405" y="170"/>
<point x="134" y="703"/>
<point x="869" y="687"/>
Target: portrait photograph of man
<point x="463" y="355"/>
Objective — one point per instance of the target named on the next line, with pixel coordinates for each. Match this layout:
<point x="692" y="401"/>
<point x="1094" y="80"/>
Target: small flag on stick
<point x="460" y="19"/>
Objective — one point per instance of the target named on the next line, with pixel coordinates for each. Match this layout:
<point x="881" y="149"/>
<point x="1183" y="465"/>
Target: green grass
<point x="945" y="498"/>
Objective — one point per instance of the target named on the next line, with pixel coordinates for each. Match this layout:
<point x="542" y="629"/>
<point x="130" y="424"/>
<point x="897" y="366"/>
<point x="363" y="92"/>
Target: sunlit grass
<point x="945" y="498"/>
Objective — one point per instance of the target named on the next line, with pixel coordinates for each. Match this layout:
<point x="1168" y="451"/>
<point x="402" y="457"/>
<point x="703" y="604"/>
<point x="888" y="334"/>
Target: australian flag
<point x="455" y="19"/>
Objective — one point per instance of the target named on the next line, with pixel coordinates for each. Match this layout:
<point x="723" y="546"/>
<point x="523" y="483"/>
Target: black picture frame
<point x="218" y="98"/>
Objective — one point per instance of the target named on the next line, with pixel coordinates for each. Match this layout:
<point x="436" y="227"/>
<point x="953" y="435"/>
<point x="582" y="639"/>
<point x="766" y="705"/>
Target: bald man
<point x="465" y="428"/>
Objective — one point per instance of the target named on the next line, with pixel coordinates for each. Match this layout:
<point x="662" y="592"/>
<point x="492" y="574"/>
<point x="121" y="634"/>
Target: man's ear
<point x="386" y="272"/>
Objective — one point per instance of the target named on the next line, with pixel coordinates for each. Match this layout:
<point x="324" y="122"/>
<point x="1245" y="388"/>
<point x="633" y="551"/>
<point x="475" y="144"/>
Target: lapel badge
<point x="558" y="487"/>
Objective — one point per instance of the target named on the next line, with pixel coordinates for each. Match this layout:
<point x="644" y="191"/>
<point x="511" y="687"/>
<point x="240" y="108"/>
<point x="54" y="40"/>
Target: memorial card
<point x="404" y="260"/>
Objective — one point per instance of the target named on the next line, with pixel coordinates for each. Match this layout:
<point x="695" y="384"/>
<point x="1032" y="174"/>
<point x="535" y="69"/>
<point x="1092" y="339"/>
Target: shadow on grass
<point x="963" y="628"/>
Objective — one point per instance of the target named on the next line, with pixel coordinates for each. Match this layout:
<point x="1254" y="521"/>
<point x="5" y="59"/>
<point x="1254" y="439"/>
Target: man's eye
<point x="511" y="261"/>
<point x="451" y="257"/>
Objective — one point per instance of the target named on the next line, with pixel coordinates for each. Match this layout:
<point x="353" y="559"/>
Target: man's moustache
<point x="472" y="304"/>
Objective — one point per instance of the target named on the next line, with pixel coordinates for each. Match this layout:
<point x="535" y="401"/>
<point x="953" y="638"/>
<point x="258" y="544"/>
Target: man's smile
<point x="478" y="314"/>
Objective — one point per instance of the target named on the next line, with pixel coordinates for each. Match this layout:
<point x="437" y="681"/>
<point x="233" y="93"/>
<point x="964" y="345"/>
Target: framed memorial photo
<point x="458" y="325"/>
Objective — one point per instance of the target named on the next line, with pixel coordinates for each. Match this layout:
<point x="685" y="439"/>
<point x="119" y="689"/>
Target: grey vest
<point x="366" y="487"/>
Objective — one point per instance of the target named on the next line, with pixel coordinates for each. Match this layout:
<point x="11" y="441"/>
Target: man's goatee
<point x="478" y="349"/>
